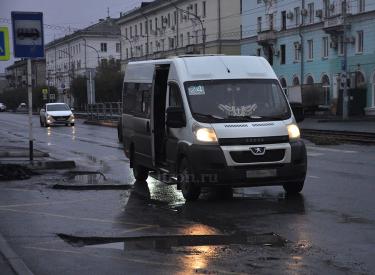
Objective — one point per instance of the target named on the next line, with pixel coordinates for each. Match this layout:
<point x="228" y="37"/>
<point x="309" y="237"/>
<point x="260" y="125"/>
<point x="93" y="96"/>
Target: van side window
<point x="137" y="99"/>
<point x="175" y="99"/>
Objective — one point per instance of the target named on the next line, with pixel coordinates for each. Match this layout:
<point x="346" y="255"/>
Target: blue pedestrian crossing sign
<point x="28" y="39"/>
<point x="4" y="44"/>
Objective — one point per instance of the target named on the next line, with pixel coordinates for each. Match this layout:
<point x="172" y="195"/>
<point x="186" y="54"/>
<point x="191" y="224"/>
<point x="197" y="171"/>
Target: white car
<point x="56" y="114"/>
<point x="2" y="107"/>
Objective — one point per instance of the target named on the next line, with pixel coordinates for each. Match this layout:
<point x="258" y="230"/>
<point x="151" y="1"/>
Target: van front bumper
<point x="209" y="168"/>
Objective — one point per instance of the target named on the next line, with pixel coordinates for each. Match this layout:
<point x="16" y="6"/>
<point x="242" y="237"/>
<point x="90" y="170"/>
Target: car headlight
<point x="293" y="132"/>
<point x="205" y="134"/>
<point x="71" y="117"/>
<point x="49" y="117"/>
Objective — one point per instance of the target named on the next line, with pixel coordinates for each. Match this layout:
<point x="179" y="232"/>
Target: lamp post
<point x="197" y="18"/>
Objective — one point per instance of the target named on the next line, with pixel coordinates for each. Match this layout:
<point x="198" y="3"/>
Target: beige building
<point x="162" y="28"/>
<point x="16" y="74"/>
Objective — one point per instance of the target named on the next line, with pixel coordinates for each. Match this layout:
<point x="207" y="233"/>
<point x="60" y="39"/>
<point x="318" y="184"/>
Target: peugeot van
<point x="211" y="121"/>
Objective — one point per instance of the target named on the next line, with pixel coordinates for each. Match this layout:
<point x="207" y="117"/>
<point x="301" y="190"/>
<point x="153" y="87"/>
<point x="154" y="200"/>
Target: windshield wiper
<point x="207" y="116"/>
<point x="244" y="118"/>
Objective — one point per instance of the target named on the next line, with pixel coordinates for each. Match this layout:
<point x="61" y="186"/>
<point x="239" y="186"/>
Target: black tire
<point x="189" y="189"/>
<point x="294" y="188"/>
<point x="140" y="172"/>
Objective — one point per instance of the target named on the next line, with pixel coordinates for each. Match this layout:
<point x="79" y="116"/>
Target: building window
<point x="361" y="6"/>
<point x="297" y="16"/>
<point x="118" y="47"/>
<point x="310" y="49"/>
<point x="169" y="20"/>
<point x="188" y="38"/>
<point x="325" y="47"/>
<point x="127" y="53"/>
<point x="103" y="47"/>
<point x="311" y="12"/>
<point x="136" y="30"/>
<point x="196" y="37"/>
<point x="182" y="39"/>
<point x="341" y="45"/>
<point x="282" y="54"/>
<point x="359" y="42"/>
<point x="297" y="51"/>
<point x="283" y="20"/>
<point x="140" y="29"/>
<point x="196" y="9"/>
<point x="204" y="9"/>
<point x="326" y="4"/>
<point x="270" y="19"/>
<point x="259" y="52"/>
<point x="259" y="24"/>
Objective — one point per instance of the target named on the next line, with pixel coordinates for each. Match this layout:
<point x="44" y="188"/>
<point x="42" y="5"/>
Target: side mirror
<point x="298" y="112"/>
<point x="175" y="117"/>
<point x="42" y="110"/>
<point x="72" y="109"/>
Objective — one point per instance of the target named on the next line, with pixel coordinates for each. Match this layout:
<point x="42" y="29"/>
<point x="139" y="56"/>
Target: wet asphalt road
<point x="330" y="228"/>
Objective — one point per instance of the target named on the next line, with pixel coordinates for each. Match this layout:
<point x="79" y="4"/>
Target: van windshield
<point x="215" y="101"/>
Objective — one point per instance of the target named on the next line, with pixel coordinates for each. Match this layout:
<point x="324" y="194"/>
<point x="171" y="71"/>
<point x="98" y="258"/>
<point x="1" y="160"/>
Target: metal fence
<point x="102" y="111"/>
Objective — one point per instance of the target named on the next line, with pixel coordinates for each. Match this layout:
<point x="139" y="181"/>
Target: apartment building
<point x="304" y="42"/>
<point x="81" y="53"/>
<point x="161" y="28"/>
<point x="16" y="74"/>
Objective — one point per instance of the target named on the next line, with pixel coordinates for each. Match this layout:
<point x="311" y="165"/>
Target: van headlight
<point x="293" y="132"/>
<point x="205" y="134"/>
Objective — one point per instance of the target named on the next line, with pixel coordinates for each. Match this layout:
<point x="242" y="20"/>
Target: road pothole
<point x="14" y="172"/>
<point x="88" y="180"/>
<point x="169" y="242"/>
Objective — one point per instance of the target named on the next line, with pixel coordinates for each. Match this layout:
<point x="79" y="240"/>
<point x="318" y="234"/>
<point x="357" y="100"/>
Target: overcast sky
<point x="63" y="13"/>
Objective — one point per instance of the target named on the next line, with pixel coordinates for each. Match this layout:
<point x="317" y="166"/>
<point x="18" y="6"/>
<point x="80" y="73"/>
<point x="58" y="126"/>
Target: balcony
<point x="266" y="37"/>
<point x="334" y="24"/>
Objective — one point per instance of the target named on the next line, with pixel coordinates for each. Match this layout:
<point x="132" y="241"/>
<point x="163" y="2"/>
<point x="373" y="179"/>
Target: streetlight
<point x="91" y="47"/>
<point x="200" y="21"/>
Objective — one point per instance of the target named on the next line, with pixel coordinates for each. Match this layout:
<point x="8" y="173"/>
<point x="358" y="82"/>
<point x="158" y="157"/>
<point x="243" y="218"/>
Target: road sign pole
<point x="30" y="96"/>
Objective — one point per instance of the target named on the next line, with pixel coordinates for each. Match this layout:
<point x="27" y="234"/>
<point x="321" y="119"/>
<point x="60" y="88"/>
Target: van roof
<point x="205" y="67"/>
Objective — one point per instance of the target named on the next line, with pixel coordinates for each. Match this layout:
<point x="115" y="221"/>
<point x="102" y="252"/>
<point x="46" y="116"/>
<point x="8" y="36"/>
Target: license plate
<point x="60" y="119"/>
<point x="261" y="173"/>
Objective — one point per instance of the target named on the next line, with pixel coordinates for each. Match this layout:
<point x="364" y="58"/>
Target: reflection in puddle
<point x="86" y="177"/>
<point x="169" y="242"/>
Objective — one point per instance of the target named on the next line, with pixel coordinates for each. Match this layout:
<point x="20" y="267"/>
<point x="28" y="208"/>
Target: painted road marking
<point x="313" y="177"/>
<point x="44" y="203"/>
<point x="331" y="150"/>
<point x="80" y="219"/>
<point x="309" y="154"/>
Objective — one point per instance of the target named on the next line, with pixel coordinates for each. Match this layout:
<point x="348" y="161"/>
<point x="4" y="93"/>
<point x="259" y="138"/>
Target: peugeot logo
<point x="258" y="151"/>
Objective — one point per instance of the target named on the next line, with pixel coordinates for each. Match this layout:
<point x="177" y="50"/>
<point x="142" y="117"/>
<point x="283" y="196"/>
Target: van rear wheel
<point x="189" y="189"/>
<point x="140" y="173"/>
<point x="293" y="188"/>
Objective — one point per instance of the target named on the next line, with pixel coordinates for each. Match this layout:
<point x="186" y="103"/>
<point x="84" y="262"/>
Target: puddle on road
<point x="166" y="243"/>
<point x="88" y="180"/>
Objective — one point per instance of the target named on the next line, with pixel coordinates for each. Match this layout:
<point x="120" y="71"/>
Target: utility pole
<point x="30" y="101"/>
<point x="344" y="68"/>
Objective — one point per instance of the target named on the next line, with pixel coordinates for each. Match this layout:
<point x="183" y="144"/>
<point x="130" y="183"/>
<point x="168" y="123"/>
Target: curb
<point x="17" y="154"/>
<point x="101" y="123"/>
<point x="15" y="262"/>
<point x="45" y="165"/>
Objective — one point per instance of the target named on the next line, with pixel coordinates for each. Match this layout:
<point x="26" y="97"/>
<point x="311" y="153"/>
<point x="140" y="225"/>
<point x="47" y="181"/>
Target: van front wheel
<point x="293" y="188"/>
<point x="189" y="189"/>
<point x="140" y="173"/>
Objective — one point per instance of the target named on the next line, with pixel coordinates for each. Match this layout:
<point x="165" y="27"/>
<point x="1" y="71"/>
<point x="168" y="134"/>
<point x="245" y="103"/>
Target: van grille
<point x="253" y="140"/>
<point x="248" y="157"/>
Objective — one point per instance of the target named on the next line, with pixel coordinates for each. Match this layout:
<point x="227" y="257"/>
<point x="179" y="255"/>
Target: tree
<point x="108" y="82"/>
<point x="79" y="91"/>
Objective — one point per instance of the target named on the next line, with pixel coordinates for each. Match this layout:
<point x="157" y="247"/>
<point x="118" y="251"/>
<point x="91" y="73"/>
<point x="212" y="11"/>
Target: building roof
<point x="22" y="62"/>
<point x="105" y="27"/>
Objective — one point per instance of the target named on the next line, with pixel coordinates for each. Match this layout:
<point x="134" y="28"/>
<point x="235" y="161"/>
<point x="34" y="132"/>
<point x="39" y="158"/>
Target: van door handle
<point x="148" y="127"/>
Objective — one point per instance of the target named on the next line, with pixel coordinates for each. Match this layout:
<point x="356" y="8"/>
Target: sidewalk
<point x="352" y="125"/>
